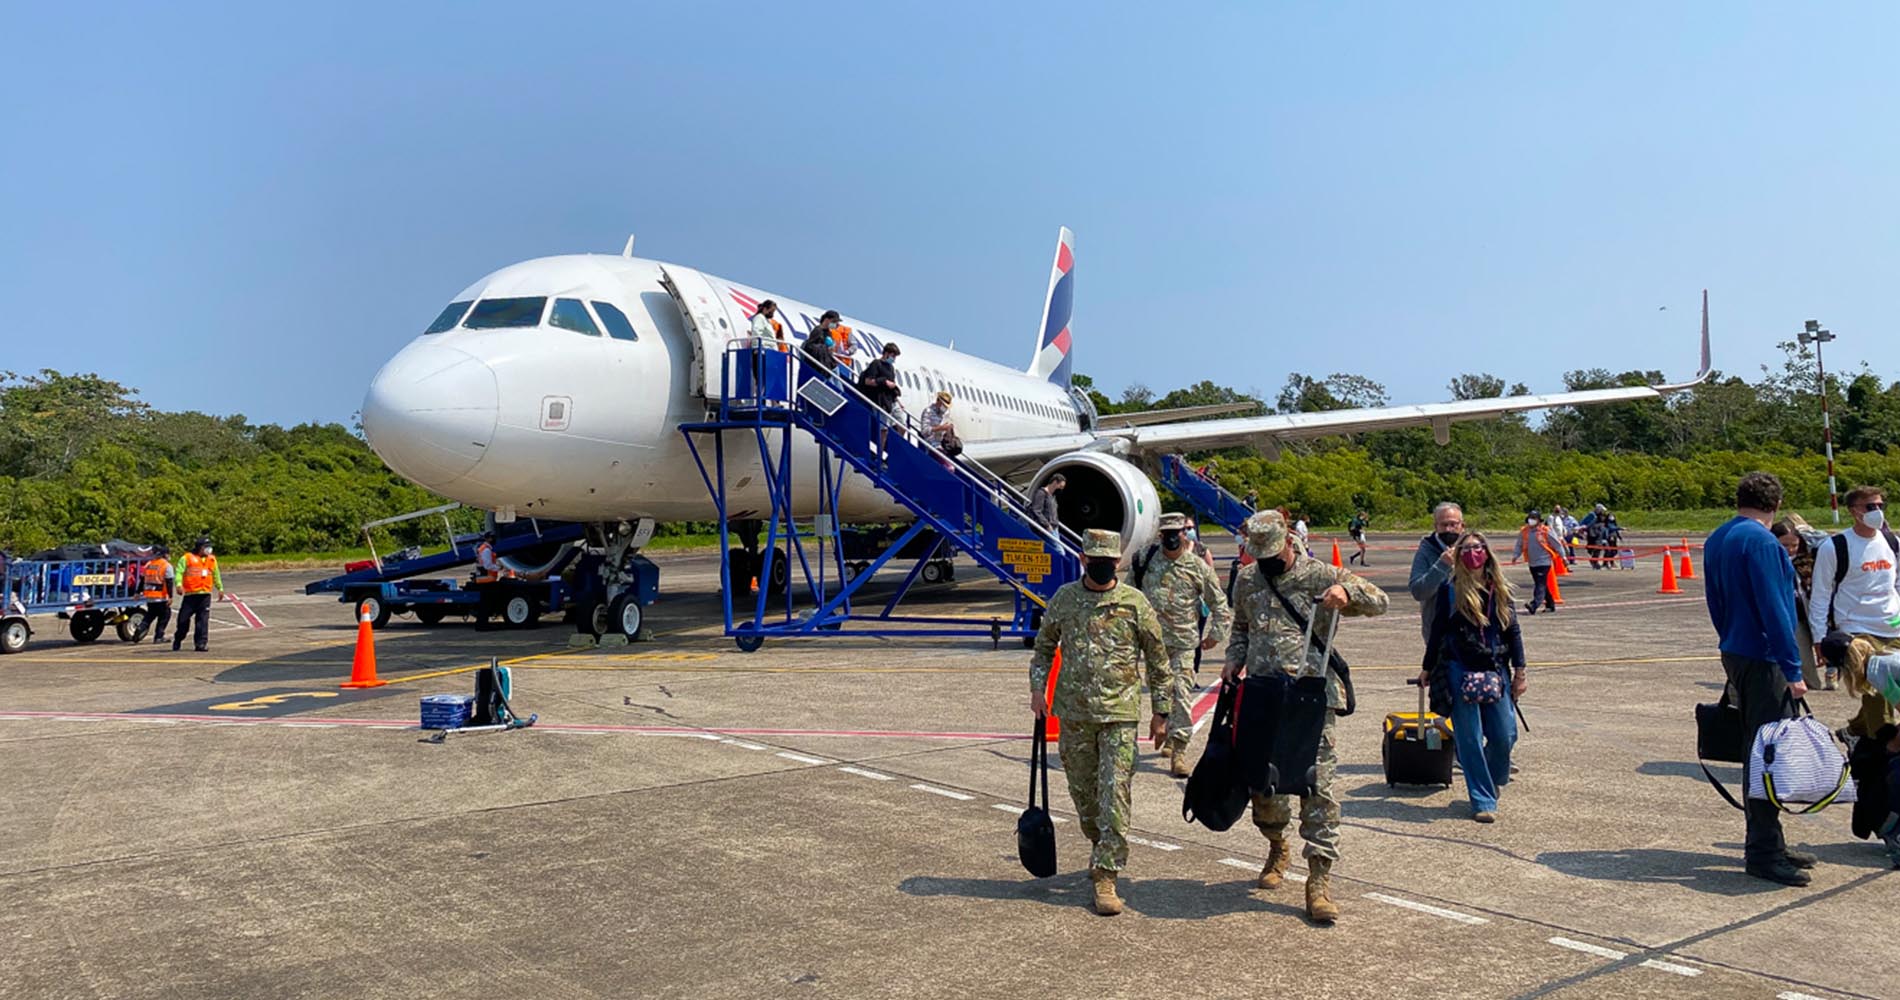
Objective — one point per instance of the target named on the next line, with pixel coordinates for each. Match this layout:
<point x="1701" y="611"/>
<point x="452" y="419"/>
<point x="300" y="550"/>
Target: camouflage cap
<point x="1173" y="521"/>
<point x="1266" y="534"/>
<point x="1099" y="542"/>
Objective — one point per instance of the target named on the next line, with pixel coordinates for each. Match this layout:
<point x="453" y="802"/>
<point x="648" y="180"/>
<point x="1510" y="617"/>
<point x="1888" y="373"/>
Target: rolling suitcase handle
<point x="1430" y="734"/>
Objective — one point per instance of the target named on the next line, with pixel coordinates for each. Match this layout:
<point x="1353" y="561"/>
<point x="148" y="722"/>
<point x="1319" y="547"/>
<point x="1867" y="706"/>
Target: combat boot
<point x="1274" y="873"/>
<point x="1320" y="907"/>
<point x="1107" y="903"/>
<point x="1178" y="765"/>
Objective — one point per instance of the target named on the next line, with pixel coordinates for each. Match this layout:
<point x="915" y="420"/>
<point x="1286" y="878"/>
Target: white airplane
<point x="555" y="388"/>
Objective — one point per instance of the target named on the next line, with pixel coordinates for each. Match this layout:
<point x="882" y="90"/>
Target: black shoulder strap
<point x="1839" y="542"/>
<point x="1039" y="762"/>
<point x="1334" y="661"/>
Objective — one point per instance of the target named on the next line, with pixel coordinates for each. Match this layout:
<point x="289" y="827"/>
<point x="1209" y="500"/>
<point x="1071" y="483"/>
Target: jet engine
<point x="1104" y="492"/>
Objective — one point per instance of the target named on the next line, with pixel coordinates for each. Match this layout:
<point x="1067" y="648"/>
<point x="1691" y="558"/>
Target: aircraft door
<point x="708" y="319"/>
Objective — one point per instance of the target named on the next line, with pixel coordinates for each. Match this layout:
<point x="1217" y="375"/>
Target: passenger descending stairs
<point x="1208" y="498"/>
<point x="970" y="508"/>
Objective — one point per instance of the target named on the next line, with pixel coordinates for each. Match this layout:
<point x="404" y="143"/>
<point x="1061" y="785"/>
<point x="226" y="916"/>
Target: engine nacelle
<point x="1104" y="492"/>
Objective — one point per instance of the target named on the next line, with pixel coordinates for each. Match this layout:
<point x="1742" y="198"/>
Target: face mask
<point x="1171" y="539"/>
<point x="1473" y="560"/>
<point x="1448" y="538"/>
<point x="1874" y="518"/>
<point x="1272" y="567"/>
<point x="1531" y="521"/>
<point x="1101" y="571"/>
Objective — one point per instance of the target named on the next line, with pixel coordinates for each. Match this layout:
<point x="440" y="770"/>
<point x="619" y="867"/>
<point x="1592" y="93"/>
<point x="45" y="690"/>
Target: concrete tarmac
<point x="835" y="818"/>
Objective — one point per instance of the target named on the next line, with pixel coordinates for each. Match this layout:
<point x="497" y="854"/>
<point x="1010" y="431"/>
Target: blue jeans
<point x="1483" y="736"/>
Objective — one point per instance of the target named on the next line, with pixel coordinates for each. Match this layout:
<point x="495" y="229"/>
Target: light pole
<point x="1817" y="336"/>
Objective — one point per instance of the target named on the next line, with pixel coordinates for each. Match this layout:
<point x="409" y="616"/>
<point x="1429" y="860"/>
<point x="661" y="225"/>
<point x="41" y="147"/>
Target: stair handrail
<point x="974" y="474"/>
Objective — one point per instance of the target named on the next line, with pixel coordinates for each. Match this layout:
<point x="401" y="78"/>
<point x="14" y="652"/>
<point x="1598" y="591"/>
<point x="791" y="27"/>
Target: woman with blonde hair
<point x="1474" y="664"/>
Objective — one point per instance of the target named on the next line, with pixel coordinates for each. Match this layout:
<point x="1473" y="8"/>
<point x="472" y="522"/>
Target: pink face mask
<point x="1474" y="559"/>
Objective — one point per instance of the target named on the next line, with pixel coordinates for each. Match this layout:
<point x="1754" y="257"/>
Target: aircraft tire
<point x="625" y="616"/>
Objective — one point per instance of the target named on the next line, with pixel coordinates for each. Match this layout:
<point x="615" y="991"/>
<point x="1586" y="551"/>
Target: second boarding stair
<point x="776" y="402"/>
<point x="1208" y="498"/>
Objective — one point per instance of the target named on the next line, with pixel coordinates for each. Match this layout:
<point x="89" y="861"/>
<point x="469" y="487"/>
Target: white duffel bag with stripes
<point x="1795" y="762"/>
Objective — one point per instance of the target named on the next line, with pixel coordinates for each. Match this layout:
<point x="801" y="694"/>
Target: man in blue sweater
<point x="1750" y="587"/>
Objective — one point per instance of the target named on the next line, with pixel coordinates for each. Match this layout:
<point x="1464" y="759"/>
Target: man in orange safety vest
<point x="156" y="585"/>
<point x="198" y="577"/>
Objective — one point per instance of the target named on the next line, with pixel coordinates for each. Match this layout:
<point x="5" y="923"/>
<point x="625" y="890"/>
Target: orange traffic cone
<point x="1336" y="563"/>
<point x="1049" y="694"/>
<point x="363" y="665"/>
<point x="1556" y="593"/>
<point x="1688" y="568"/>
<point x="1669" y="576"/>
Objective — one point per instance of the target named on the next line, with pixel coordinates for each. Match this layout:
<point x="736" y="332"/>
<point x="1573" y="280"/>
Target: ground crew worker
<point x="1103" y="626"/>
<point x="198" y="576"/>
<point x="488" y="570"/>
<point x="1177" y="582"/>
<point x="1267" y="637"/>
<point x="156" y="581"/>
<point x="841" y="345"/>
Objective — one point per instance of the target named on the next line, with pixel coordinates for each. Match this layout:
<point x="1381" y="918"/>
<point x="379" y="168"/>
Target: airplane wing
<point x="1266" y="432"/>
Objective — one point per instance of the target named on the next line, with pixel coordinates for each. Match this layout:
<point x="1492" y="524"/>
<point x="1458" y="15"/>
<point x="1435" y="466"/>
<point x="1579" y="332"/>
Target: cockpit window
<point x="495" y="314"/>
<point x="569" y="314"/>
<point x="450" y="316"/>
<point x="615" y="321"/>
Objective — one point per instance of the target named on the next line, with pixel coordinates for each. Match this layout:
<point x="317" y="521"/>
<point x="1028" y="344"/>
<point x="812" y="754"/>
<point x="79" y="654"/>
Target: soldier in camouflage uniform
<point x="1178" y="583"/>
<point x="1266" y="638"/>
<point x="1104" y="628"/>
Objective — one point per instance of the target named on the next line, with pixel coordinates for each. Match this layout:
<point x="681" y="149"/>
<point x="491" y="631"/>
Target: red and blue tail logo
<point x="1052" y="347"/>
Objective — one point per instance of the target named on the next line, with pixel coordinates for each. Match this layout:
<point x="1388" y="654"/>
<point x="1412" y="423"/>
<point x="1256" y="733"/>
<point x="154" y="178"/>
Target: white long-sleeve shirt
<point x="1866" y="602"/>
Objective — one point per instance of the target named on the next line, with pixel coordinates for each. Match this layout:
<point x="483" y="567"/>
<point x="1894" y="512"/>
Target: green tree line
<point x="83" y="459"/>
<point x="1680" y="453"/>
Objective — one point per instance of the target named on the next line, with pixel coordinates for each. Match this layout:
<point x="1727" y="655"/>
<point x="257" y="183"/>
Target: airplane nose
<point x="430" y="413"/>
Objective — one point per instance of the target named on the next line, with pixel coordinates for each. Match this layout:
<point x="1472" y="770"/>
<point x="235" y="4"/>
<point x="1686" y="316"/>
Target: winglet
<point x="1702" y="373"/>
<point x="1051" y="360"/>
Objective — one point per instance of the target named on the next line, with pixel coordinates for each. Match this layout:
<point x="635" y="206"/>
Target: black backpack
<point x="1139" y="567"/>
<point x="1035" y="831"/>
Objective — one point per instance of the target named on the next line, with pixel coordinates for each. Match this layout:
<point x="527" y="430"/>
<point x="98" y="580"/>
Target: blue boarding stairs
<point x="777" y="412"/>
<point x="1208" y="498"/>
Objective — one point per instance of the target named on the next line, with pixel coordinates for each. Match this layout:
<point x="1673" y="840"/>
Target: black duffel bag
<point x="1035" y="831"/>
<point x="1719" y="734"/>
<point x="1216" y="794"/>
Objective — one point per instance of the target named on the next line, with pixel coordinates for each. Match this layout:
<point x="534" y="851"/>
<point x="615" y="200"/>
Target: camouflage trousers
<point x="1180" y="697"/>
<point x="1098" y="759"/>
<point x="1874" y="710"/>
<point x="1319" y="812"/>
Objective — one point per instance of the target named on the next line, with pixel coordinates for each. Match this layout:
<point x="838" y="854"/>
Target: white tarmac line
<point x="1156" y="844"/>
<point x="801" y="758"/>
<point x="945" y="792"/>
<point x="1792" y="995"/>
<point x="1589" y="949"/>
<point x="308" y="725"/>
<point x="1614" y="955"/>
<point x="1254" y="867"/>
<point x="1017" y="811"/>
<point x="1680" y="970"/>
<point x="1463" y="918"/>
<point x="743" y="745"/>
<point x="862" y="773"/>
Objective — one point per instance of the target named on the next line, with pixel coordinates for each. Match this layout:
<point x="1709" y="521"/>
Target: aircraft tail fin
<point x="1051" y="360"/>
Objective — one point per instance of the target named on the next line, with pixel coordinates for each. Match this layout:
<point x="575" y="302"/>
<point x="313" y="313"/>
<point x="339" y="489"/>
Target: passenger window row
<point x="930" y="381"/>
<point x="527" y="311"/>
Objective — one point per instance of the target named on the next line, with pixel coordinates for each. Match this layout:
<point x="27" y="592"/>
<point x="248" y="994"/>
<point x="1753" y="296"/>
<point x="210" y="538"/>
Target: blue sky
<point x="245" y="210"/>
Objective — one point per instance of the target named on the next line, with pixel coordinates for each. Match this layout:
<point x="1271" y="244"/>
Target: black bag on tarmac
<point x="1216" y="794"/>
<point x="1035" y="831"/>
<point x="1417" y="748"/>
